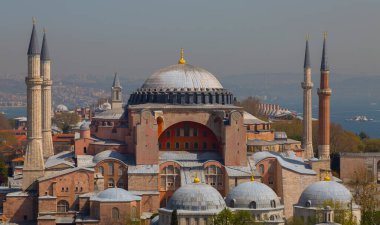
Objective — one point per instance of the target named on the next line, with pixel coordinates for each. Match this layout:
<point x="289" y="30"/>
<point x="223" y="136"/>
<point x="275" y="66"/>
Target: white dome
<point x="182" y="76"/>
<point x="253" y="192"/>
<point x="196" y="197"/>
<point x="62" y="108"/>
<point x="318" y="193"/>
<point x="108" y="154"/>
<point x="106" y="106"/>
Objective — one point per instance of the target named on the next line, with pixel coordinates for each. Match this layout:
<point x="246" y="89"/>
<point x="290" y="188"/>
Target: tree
<point x="227" y="217"/>
<point x="363" y="135"/>
<point x="3" y="170"/>
<point x="295" y="221"/>
<point x="342" y="215"/>
<point x="372" y="145"/>
<point x="65" y="120"/>
<point x="174" y="219"/>
<point x="4" y="123"/>
<point x="366" y="195"/>
<point x="250" y="104"/>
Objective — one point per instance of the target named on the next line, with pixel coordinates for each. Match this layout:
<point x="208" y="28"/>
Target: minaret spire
<point x="47" y="141"/>
<point x="324" y="93"/>
<point x="116" y="95"/>
<point x="307" y="85"/>
<point x="34" y="162"/>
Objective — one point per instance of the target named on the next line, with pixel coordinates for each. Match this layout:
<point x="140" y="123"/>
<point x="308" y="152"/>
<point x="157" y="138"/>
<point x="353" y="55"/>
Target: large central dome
<point x="181" y="84"/>
<point x="182" y="76"/>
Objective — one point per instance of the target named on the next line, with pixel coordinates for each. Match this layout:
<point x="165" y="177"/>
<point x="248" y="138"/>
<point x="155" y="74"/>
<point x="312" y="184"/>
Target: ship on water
<point x="360" y="118"/>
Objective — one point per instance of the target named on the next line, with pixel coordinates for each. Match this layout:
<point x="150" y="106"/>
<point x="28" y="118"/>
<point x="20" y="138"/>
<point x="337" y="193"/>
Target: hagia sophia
<point x="177" y="144"/>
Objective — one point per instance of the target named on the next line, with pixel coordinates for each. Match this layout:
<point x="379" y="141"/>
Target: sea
<point x="339" y="114"/>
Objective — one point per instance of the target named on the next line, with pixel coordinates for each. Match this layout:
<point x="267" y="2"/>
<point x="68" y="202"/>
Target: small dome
<point x="254" y="195"/>
<point x="196" y="197"/>
<point x="116" y="195"/>
<point x="62" y="108"/>
<point x="318" y="193"/>
<point x="182" y="76"/>
<point x="106" y="106"/>
<point x="108" y="154"/>
<point x="85" y="125"/>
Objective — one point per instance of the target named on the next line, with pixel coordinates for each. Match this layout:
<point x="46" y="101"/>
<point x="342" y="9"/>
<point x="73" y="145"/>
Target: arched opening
<point x="273" y="203"/>
<point x="62" y="206"/>
<point x="214" y="177"/>
<point x="170" y="178"/>
<point x="188" y="136"/>
<point x="115" y="213"/>
<point x="232" y="203"/>
<point x="252" y="205"/>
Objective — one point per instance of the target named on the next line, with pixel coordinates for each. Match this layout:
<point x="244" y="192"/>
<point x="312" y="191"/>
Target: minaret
<point x="47" y="142"/>
<point x="307" y="85"/>
<point x="116" y="95"/>
<point x="34" y="162"/>
<point x="324" y="93"/>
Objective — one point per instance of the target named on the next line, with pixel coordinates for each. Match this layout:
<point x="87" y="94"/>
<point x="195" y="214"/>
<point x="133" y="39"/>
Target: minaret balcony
<point x="325" y="91"/>
<point x="306" y="85"/>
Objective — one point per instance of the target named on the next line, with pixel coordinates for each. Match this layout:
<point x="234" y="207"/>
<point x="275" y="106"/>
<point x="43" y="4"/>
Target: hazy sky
<point x="225" y="37"/>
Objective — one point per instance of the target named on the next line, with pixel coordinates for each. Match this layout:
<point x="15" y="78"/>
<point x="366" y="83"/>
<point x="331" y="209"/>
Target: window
<point x="167" y="133"/>
<point x="273" y="203"/>
<point x="270" y="180"/>
<point x="110" y="183"/>
<point x="196" y="145"/>
<point x="62" y="206"/>
<point x="177" y="145"/>
<point x="101" y="170"/>
<point x="214" y="177"/>
<point x="187" y="221"/>
<point x="204" y="133"/>
<point x="167" y="145"/>
<point x="120" y="172"/>
<point x="120" y="184"/>
<point x="308" y="203"/>
<point x="115" y="213"/>
<point x="170" y="178"/>
<point x="232" y="203"/>
<point x="204" y="145"/>
<point x="178" y="132"/>
<point x="195" y="132"/>
<point x="252" y="205"/>
<point x="261" y="169"/>
<point x="110" y="169"/>
<point x="85" y="149"/>
<point x="186" y="145"/>
<point x="186" y="131"/>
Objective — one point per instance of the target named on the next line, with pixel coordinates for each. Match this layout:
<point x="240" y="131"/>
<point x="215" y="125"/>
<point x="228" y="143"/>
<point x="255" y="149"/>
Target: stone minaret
<point x="47" y="141"/>
<point x="34" y="162"/>
<point x="324" y="93"/>
<point x="116" y="95"/>
<point x="307" y="85"/>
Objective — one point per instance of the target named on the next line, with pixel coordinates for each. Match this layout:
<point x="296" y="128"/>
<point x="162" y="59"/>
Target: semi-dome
<point x="109" y="154"/>
<point x="196" y="197"/>
<point x="181" y="84"/>
<point x="182" y="76"/>
<point x="253" y="195"/>
<point x="116" y="195"/>
<point x="85" y="125"/>
<point x="322" y="192"/>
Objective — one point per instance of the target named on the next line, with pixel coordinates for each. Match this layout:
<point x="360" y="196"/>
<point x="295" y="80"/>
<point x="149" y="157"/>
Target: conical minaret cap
<point x="324" y="62"/>
<point x="116" y="81"/>
<point x="306" y="63"/>
<point x="34" y="48"/>
<point x="45" y="50"/>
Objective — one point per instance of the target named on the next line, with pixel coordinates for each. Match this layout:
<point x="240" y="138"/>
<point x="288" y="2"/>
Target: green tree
<point x="174" y="219"/>
<point x="372" y="145"/>
<point x="363" y="135"/>
<point x="227" y="217"/>
<point x="295" y="221"/>
<point x="66" y="120"/>
<point x="250" y="104"/>
<point x="342" y="214"/>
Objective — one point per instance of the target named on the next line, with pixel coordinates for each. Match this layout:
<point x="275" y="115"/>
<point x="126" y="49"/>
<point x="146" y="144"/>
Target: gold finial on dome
<point x="34" y="20"/>
<point x="324" y="35"/>
<point x="307" y="37"/>
<point x="252" y="178"/>
<point x="181" y="59"/>
<point x="327" y="178"/>
<point x="196" y="179"/>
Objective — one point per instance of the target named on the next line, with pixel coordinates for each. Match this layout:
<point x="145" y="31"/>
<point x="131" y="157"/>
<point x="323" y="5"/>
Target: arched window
<point x="62" y="206"/>
<point x="232" y="203"/>
<point x="252" y="205"/>
<point x="120" y="172"/>
<point x="133" y="212"/>
<point x="308" y="203"/>
<point x="273" y="203"/>
<point x="261" y="169"/>
<point x="85" y="149"/>
<point x="115" y="213"/>
<point x="214" y="176"/>
<point x="110" y="169"/>
<point x="101" y="170"/>
<point x="170" y="178"/>
<point x="111" y="183"/>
